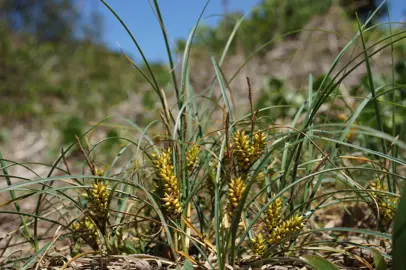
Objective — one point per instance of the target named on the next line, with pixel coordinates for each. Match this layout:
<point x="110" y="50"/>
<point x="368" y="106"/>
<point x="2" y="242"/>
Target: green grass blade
<point x="155" y="85"/>
<point x="379" y="260"/>
<point x="371" y="84"/>
<point x="223" y="88"/>
<point x="399" y="235"/>
<point x="168" y="49"/>
<point x="34" y="257"/>
<point x="186" y="55"/>
<point x="231" y="37"/>
<point x="13" y="197"/>
<point x="393" y="98"/>
<point x="217" y="208"/>
<point x="286" y="159"/>
<point x="318" y="262"/>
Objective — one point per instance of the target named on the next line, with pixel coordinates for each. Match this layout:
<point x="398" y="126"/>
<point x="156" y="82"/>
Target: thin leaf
<point x="155" y="85"/>
<point x="187" y="265"/>
<point x="223" y="87"/>
<point x="13" y="197"/>
<point x="35" y="256"/>
<point x="399" y="235"/>
<point x="318" y="262"/>
<point x="379" y="261"/>
<point x="168" y="49"/>
<point x="371" y="85"/>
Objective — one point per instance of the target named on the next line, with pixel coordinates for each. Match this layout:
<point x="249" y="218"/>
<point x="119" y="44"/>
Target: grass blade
<point x="223" y="88"/>
<point x="399" y="235"/>
<point x="155" y="86"/>
<point x="371" y="84"/>
<point x="168" y="50"/>
<point x="379" y="260"/>
<point x="319" y="263"/>
<point x="35" y="256"/>
<point x="13" y="197"/>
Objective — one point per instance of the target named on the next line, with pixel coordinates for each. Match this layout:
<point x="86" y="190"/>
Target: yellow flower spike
<point x="342" y="116"/>
<point x="258" y="245"/>
<point x="76" y="226"/>
<point x="242" y="149"/>
<point x="98" y="201"/>
<point x="235" y="190"/>
<point x="248" y="153"/>
<point x="172" y="205"/>
<point x="192" y="157"/>
<point x="99" y="172"/>
<point x="167" y="183"/>
<point x="352" y="134"/>
<point x="377" y="185"/>
<point x="286" y="229"/>
<point x="260" y="177"/>
<point x="386" y="203"/>
<point x="88" y="223"/>
<point x="273" y="214"/>
<point x="87" y="231"/>
<point x="259" y="145"/>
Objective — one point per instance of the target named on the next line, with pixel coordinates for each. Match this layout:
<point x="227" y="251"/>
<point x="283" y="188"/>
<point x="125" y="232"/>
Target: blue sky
<point x="179" y="16"/>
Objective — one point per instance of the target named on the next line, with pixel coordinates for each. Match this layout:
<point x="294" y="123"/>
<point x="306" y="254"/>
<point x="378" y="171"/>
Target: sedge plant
<point x="238" y="192"/>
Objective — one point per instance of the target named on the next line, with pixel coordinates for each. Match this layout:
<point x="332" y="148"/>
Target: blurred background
<point x="64" y="64"/>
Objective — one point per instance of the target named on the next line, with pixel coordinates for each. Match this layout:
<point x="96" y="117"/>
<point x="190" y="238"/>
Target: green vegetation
<point x="46" y="71"/>
<point x="41" y="78"/>
<point x="303" y="177"/>
<point x="271" y="19"/>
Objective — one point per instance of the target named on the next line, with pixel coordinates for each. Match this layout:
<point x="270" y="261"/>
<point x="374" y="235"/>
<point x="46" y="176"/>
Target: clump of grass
<point x="248" y="194"/>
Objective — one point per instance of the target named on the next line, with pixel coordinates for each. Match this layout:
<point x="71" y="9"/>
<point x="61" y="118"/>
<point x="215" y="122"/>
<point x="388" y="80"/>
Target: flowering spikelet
<point x="258" y="245"/>
<point x="162" y="160"/>
<point x="260" y="178"/>
<point x="98" y="200"/>
<point x="259" y="145"/>
<point x="99" y="172"/>
<point x="235" y="190"/>
<point x="245" y="151"/>
<point x="352" y="134"/>
<point x="287" y="228"/>
<point x="386" y="203"/>
<point x="167" y="183"/>
<point x="192" y="157"/>
<point x="211" y="182"/>
<point x="378" y="186"/>
<point x="85" y="224"/>
<point x="273" y="214"/>
<point x="213" y="163"/>
<point x="172" y="204"/>
<point x="223" y="162"/>
<point x="87" y="231"/>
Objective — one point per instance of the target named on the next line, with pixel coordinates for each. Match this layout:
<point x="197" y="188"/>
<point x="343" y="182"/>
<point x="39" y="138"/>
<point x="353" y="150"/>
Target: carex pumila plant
<point x="92" y="225"/>
<point x="192" y="194"/>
